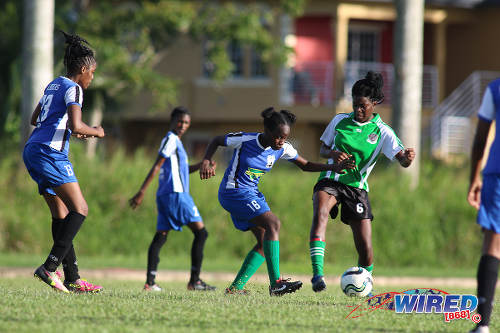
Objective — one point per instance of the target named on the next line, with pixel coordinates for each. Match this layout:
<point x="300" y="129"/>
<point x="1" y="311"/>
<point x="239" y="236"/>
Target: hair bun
<point x="375" y="79"/>
<point x="290" y="116"/>
<point x="73" y="39"/>
<point x="267" y="113"/>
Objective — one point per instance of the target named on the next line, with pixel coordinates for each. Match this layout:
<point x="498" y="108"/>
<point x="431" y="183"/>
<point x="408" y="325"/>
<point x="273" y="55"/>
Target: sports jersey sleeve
<point x="289" y="153"/>
<point x="234" y="140"/>
<point x="391" y="144"/>
<point x="168" y="147"/>
<point x="329" y="134"/>
<point x="74" y="95"/>
<point x="487" y="108"/>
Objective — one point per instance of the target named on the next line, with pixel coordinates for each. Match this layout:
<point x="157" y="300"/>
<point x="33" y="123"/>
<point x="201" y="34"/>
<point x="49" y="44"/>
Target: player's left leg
<point x="200" y="236"/>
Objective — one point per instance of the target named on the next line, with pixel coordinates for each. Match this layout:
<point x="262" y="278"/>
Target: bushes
<point x="431" y="226"/>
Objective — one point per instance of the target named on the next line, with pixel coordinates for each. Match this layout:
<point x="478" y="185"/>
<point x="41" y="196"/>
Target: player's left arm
<point x="405" y="157"/>
<point x="305" y="165"/>
<point x="197" y="166"/>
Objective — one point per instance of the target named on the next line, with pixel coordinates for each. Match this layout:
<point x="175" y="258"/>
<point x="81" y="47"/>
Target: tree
<point x="408" y="59"/>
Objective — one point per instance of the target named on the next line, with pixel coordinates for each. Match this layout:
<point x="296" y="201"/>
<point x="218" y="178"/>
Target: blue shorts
<point x="48" y="167"/>
<point x="176" y="210"/>
<point x="243" y="205"/>
<point x="489" y="211"/>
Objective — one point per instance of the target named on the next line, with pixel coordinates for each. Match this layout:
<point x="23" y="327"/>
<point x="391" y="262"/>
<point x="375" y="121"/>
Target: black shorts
<point x="354" y="201"/>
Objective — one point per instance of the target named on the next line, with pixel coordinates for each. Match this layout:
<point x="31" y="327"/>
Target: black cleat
<point x="284" y="286"/>
<point x="200" y="285"/>
<point x="318" y="283"/>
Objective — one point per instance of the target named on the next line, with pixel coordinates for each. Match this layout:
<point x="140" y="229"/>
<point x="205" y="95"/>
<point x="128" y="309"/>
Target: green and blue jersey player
<point x="175" y="205"/>
<point x="254" y="155"/>
<point x="360" y="136"/>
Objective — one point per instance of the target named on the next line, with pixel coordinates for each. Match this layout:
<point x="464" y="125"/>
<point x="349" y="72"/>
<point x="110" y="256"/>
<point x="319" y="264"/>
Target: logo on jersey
<point x="372" y="138"/>
<point x="270" y="161"/>
<point x="254" y="174"/>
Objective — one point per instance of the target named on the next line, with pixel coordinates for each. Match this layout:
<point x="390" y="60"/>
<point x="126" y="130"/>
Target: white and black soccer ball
<point x="357" y="282"/>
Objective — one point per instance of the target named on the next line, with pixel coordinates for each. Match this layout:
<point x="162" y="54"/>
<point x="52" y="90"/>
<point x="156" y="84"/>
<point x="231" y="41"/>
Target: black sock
<point x="200" y="236"/>
<point x="487" y="273"/>
<point x="69" y="262"/>
<point x="154" y="256"/>
<point x="64" y="240"/>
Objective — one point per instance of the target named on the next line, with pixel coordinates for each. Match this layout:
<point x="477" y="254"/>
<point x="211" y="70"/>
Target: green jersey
<point x="364" y="141"/>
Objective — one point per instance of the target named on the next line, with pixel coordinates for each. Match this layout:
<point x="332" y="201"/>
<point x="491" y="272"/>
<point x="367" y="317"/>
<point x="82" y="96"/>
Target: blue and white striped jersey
<point x="489" y="111"/>
<point x="52" y="122"/>
<point x="174" y="173"/>
<point x="251" y="160"/>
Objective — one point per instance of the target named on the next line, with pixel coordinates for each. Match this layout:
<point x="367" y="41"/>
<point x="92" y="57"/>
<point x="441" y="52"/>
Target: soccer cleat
<point x="50" y="278"/>
<point x="234" y="291"/>
<point x="82" y="286"/>
<point x="481" y="329"/>
<point x="200" y="285"/>
<point x="318" y="283"/>
<point x="152" y="287"/>
<point x="284" y="286"/>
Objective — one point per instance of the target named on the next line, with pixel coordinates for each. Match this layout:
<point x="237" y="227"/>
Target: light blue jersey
<point x="52" y="122"/>
<point x="174" y="173"/>
<point x="489" y="111"/>
<point x="251" y="160"/>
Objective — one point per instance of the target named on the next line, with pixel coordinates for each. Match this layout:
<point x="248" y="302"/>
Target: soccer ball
<point x="357" y="282"/>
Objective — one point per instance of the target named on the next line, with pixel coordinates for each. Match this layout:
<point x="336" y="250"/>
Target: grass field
<point x="27" y="305"/>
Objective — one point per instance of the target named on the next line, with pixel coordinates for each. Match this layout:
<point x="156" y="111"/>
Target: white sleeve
<point x="330" y="132"/>
<point x="289" y="153"/>
<point x="234" y="140"/>
<point x="391" y="145"/>
<point x="487" y="108"/>
<point x="74" y="95"/>
<point x="168" y="146"/>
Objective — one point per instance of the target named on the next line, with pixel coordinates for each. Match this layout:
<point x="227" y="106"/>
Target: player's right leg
<point x="322" y="205"/>
<point x="158" y="241"/>
<point x="253" y="261"/>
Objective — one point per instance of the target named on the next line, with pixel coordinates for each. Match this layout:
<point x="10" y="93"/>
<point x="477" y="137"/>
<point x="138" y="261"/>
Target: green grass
<point x="27" y="305"/>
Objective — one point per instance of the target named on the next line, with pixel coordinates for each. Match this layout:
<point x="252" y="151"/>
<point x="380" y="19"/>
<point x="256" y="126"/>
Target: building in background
<point x="335" y="43"/>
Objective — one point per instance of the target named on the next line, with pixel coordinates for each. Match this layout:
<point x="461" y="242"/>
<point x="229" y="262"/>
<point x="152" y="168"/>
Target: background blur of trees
<point x="131" y="37"/>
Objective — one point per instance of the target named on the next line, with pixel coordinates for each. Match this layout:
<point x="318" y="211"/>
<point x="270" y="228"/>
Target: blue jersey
<point x="174" y="173"/>
<point x="489" y="111"/>
<point x="52" y="122"/>
<point x="251" y="160"/>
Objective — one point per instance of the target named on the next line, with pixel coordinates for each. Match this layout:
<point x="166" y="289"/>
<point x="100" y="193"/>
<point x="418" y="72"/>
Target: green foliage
<point x="431" y="226"/>
<point x="124" y="307"/>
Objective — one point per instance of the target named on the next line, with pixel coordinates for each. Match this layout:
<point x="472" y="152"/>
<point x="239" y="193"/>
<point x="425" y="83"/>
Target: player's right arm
<point x="136" y="200"/>
<point x="35" y="114"/>
<point x="206" y="169"/>
<point x="77" y="126"/>
<point x="475" y="183"/>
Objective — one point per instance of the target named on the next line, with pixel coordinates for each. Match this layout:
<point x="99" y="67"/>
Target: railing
<point x="451" y="119"/>
<point x="312" y="83"/>
<point x="355" y="70"/>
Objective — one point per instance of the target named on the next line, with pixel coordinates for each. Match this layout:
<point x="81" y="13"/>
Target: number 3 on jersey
<point x="254" y="205"/>
<point x="46" y="101"/>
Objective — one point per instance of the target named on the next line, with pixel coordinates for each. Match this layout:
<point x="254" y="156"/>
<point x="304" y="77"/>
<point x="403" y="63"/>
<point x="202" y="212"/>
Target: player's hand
<point x="343" y="165"/>
<point x="100" y="131"/>
<point x="474" y="195"/>
<point x="80" y="136"/>
<point x="409" y="154"/>
<point x="207" y="169"/>
<point x="136" y="200"/>
<point x="339" y="156"/>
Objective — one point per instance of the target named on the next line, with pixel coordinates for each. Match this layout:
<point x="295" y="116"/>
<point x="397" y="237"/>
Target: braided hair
<point x="272" y="118"/>
<point x="370" y="87"/>
<point x="77" y="54"/>
<point x="178" y="112"/>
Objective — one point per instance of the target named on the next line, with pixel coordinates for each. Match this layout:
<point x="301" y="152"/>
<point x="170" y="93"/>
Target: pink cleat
<point x="50" y="278"/>
<point x="82" y="286"/>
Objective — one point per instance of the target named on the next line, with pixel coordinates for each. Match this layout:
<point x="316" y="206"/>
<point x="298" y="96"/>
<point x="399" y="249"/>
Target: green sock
<point x="250" y="265"/>
<point x="368" y="268"/>
<point x="317" y="251"/>
<point x="272" y="252"/>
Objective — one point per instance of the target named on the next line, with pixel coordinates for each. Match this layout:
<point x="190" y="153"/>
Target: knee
<point x="159" y="239"/>
<point x="274" y="225"/>
<point x="201" y="234"/>
<point x="83" y="208"/>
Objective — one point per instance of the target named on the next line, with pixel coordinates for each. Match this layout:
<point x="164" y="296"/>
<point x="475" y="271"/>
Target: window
<point x="363" y="43"/>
